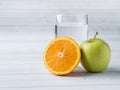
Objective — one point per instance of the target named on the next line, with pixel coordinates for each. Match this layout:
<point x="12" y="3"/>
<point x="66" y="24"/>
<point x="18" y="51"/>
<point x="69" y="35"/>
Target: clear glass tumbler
<point x="75" y="26"/>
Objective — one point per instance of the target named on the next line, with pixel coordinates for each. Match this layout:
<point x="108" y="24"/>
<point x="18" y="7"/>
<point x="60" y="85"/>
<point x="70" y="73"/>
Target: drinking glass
<point x="75" y="26"/>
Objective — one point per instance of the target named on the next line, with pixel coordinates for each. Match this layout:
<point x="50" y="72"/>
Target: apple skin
<point x="95" y="55"/>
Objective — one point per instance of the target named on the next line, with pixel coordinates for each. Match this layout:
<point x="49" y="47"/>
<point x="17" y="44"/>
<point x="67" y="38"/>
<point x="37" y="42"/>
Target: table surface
<point x="26" y="26"/>
<point x="22" y="68"/>
<point x="23" y="37"/>
<point x="27" y="72"/>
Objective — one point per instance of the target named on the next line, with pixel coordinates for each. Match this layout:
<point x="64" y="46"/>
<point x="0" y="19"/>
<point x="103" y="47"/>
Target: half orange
<point x="62" y="55"/>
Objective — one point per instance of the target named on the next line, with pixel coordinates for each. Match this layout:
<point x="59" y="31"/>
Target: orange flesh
<point x="61" y="55"/>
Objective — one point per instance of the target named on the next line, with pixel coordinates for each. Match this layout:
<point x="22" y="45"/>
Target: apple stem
<point x="95" y="35"/>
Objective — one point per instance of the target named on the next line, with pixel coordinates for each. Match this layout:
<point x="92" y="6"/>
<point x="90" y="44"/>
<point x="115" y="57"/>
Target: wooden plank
<point x="78" y="78"/>
<point x="83" y="87"/>
<point x="53" y="12"/>
<point x="51" y="20"/>
<point x="61" y="4"/>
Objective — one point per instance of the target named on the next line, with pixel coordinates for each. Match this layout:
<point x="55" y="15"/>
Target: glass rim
<point x="59" y="16"/>
<point x="81" y="14"/>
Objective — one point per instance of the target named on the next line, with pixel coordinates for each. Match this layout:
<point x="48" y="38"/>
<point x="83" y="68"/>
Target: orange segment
<point x="62" y="55"/>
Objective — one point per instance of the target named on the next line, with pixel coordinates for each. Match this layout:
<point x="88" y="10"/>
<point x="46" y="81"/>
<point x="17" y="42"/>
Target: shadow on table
<point x="80" y="72"/>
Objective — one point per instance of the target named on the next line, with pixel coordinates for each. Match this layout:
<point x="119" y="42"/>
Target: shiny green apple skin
<point x="95" y="55"/>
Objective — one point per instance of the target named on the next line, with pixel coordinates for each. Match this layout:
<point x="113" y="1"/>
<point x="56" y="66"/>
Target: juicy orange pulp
<point x="62" y="55"/>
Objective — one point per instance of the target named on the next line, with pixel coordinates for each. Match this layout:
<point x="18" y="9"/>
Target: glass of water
<point x="75" y="26"/>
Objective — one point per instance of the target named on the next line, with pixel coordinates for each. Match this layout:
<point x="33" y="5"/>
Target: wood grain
<point x="59" y="4"/>
<point x="27" y="26"/>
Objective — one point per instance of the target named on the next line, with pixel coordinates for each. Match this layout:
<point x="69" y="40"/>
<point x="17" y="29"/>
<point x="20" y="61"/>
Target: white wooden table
<point x="22" y="68"/>
<point x="24" y="34"/>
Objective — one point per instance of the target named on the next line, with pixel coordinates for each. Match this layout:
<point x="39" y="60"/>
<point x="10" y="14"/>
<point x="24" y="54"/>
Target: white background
<point x="26" y="26"/>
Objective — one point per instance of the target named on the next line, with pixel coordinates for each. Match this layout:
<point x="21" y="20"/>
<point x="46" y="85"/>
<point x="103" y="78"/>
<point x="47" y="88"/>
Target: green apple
<point x="95" y="54"/>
